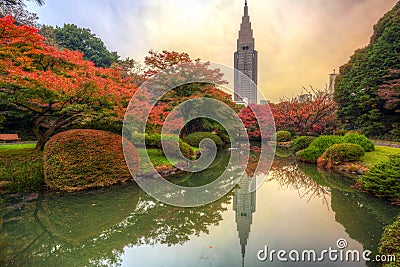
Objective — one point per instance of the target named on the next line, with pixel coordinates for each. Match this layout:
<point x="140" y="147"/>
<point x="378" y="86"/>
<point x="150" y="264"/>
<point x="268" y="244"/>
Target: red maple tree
<point x="56" y="87"/>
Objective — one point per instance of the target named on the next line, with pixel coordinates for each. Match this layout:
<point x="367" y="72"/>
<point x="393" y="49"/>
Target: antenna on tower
<point x="245" y="2"/>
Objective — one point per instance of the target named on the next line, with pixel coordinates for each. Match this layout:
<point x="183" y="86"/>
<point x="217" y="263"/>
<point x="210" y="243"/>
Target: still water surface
<point x="297" y="207"/>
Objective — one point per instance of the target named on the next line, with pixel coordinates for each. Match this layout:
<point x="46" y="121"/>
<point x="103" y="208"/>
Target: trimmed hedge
<point x="389" y="244"/>
<point x="383" y="180"/>
<point x="283" y="136"/>
<point x="359" y="139"/>
<point x="301" y="142"/>
<point x="185" y="148"/>
<point x="194" y="139"/>
<point x="80" y="159"/>
<point x="225" y="138"/>
<point x="317" y="147"/>
<point x="344" y="152"/>
<point x="340" y="132"/>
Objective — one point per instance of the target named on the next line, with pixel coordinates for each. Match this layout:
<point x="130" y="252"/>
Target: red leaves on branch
<point x="314" y="115"/>
<point x="57" y="87"/>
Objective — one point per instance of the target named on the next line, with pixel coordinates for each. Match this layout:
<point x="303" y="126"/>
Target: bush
<point x="389" y="244"/>
<point x="225" y="138"/>
<point x="136" y="137"/>
<point x="301" y="142"/>
<point x="361" y="140"/>
<point x="194" y="139"/>
<point x="80" y="159"/>
<point x="283" y="136"/>
<point x="317" y="147"/>
<point x="383" y="180"/>
<point x="344" y="152"/>
<point x="340" y="132"/>
<point x="186" y="149"/>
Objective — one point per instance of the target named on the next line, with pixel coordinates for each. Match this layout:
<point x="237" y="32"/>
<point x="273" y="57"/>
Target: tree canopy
<point x="57" y="88"/>
<point x="83" y="40"/>
<point x="362" y="103"/>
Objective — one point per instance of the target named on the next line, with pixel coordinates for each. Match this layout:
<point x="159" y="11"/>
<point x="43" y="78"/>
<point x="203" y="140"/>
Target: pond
<point x="298" y="207"/>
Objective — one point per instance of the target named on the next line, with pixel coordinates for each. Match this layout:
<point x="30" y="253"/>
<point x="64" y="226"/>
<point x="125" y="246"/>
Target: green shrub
<point x="340" y="132"/>
<point x="301" y="142"/>
<point x="224" y="137"/>
<point x="361" y="140"/>
<point x="80" y="159"/>
<point x="186" y="149"/>
<point x="136" y="137"/>
<point x="344" y="152"/>
<point x="317" y="147"/>
<point x="153" y="140"/>
<point x="389" y="244"/>
<point x="194" y="139"/>
<point x="283" y="136"/>
<point x="310" y="154"/>
<point x="383" y="180"/>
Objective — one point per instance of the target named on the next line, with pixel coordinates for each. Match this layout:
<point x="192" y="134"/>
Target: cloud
<point x="299" y="41"/>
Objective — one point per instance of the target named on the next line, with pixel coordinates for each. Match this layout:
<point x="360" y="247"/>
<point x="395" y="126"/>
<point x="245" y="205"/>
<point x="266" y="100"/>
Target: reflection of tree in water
<point x="63" y="231"/>
<point x="362" y="215"/>
<point x="289" y="176"/>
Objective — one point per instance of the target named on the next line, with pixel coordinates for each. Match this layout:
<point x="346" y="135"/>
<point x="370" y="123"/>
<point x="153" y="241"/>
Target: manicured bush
<point x="186" y="149"/>
<point x="80" y="159"/>
<point x="344" y="152"/>
<point x="153" y="140"/>
<point x="340" y="132"/>
<point x="389" y="244"/>
<point x="317" y="147"/>
<point x="224" y="137"/>
<point x="194" y="139"/>
<point x="383" y="180"/>
<point x="301" y="142"/>
<point x="283" y="136"/>
<point x="361" y="140"/>
<point x="136" y="137"/>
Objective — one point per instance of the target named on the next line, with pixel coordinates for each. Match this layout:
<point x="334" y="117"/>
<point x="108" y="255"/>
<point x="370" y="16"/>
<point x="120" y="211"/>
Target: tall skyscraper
<point x="245" y="59"/>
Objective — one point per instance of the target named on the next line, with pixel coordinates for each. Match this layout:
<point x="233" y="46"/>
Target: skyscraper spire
<point x="245" y="59"/>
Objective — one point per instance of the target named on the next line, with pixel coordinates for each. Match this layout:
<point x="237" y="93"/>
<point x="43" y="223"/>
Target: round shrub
<point x="361" y="140"/>
<point x="224" y="137"/>
<point x="80" y="159"/>
<point x="186" y="149"/>
<point x="283" y="136"/>
<point x="194" y="139"/>
<point x="310" y="154"/>
<point x="317" y="147"/>
<point x="153" y="140"/>
<point x="301" y="142"/>
<point x="136" y="137"/>
<point x="340" y="132"/>
<point x="344" y="152"/>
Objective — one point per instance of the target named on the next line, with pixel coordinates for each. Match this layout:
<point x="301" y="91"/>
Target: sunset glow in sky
<point x="299" y="41"/>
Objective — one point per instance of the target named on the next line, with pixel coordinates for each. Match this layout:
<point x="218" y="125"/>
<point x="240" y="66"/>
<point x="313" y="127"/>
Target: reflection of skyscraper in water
<point x="244" y="204"/>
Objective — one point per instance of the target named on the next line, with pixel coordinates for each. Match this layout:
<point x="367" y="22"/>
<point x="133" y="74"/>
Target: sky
<point x="299" y="41"/>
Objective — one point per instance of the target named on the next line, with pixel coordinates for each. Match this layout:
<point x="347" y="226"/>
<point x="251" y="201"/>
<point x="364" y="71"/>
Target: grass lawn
<point x="20" y="168"/>
<point x="380" y="154"/>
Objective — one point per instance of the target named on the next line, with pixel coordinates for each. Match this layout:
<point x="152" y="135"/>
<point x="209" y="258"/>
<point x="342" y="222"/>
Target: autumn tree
<point x="317" y="114"/>
<point x="57" y="88"/>
<point x="20" y="14"/>
<point x="187" y="79"/>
